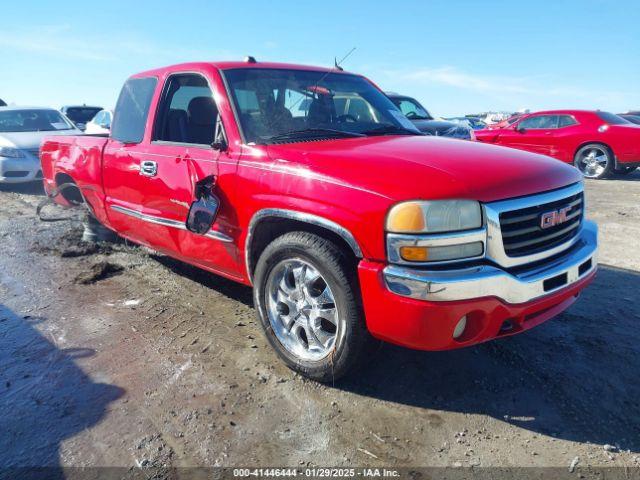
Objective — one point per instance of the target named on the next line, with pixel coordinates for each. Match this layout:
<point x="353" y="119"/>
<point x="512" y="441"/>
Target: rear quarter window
<point x="133" y="109"/>
<point x="612" y="118"/>
<point x="566" y="121"/>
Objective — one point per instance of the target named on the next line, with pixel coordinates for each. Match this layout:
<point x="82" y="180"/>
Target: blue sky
<point x="455" y="56"/>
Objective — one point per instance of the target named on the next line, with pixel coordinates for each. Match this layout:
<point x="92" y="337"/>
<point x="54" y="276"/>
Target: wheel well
<point x="71" y="195"/>
<point x="269" y="228"/>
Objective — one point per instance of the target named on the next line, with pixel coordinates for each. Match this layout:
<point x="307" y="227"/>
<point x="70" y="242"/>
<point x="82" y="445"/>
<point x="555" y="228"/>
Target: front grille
<point x="16" y="174"/>
<point x="35" y="152"/>
<point x="522" y="233"/>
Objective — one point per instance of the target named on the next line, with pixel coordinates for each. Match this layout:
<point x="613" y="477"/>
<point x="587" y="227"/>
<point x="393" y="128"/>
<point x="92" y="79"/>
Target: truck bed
<point x="78" y="157"/>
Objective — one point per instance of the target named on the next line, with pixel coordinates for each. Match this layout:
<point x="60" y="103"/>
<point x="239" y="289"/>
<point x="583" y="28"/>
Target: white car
<point x="21" y="130"/>
<point x="101" y="123"/>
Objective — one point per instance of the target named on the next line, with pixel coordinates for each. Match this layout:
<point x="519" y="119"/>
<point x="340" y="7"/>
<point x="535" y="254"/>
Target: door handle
<point x="148" y="168"/>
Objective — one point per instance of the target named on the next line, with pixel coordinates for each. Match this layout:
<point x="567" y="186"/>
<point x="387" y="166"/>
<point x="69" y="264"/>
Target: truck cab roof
<point x="229" y="65"/>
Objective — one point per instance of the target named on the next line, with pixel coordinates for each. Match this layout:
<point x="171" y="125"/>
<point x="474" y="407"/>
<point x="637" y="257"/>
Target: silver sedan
<point x="21" y="131"/>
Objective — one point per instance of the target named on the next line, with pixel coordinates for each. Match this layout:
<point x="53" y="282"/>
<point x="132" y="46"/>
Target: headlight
<point x="10" y="152"/>
<point x="434" y="216"/>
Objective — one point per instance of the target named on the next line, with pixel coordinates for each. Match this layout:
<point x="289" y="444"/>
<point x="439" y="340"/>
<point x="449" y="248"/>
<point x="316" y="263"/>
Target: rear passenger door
<point x="124" y="186"/>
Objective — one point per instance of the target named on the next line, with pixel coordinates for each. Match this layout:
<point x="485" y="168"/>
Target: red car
<point x="348" y="223"/>
<point x="597" y="143"/>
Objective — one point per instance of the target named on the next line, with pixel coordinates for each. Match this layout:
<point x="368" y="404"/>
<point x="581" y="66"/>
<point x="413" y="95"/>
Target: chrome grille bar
<point x="514" y="227"/>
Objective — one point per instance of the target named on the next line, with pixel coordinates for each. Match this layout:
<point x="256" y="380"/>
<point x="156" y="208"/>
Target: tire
<point x="594" y="160"/>
<point x="623" y="170"/>
<point x="94" y="231"/>
<point x="298" y="277"/>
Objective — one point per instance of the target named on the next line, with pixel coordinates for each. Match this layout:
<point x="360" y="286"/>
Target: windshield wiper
<point x="391" y="130"/>
<point x="312" y="133"/>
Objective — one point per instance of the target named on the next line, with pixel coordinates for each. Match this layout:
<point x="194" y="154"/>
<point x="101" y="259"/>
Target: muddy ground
<point x="115" y="356"/>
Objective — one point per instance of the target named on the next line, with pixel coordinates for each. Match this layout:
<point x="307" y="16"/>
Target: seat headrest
<point x="202" y="111"/>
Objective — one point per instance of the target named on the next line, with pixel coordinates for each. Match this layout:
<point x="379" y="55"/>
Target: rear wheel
<point x="308" y="304"/>
<point x="94" y="231"/>
<point x="594" y="161"/>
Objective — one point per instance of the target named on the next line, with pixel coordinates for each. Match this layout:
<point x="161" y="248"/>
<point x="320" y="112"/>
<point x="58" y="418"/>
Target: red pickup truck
<point x="311" y="186"/>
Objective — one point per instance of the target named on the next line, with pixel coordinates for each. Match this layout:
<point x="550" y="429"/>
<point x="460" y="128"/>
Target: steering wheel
<point x="347" y="118"/>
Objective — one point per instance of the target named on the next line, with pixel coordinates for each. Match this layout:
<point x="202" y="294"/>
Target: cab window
<point x="133" y="108"/>
<point x="187" y="112"/>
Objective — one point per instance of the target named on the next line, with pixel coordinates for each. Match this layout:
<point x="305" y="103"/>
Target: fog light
<point x="461" y="325"/>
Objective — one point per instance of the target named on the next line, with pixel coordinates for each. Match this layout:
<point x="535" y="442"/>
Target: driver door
<point x="533" y="133"/>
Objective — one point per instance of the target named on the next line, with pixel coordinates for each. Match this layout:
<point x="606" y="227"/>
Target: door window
<point x="539" y="122"/>
<point x="187" y="112"/>
<point x="133" y="108"/>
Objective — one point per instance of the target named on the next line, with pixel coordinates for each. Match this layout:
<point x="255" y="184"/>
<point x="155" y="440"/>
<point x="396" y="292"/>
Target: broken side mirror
<point x="204" y="210"/>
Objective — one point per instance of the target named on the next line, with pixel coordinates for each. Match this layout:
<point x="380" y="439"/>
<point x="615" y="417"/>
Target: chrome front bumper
<point x="490" y="281"/>
<point x="30" y="165"/>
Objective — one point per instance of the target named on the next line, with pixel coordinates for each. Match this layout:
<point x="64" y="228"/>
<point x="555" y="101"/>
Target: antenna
<point x="335" y="67"/>
<point x="337" y="64"/>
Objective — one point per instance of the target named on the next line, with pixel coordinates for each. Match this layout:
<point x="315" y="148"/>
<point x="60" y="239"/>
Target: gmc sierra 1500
<point x="310" y="185"/>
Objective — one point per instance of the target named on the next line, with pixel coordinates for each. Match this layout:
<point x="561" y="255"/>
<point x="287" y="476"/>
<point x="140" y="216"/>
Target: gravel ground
<point x="114" y="356"/>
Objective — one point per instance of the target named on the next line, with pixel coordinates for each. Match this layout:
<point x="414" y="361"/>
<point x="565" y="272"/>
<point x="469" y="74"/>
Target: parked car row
<point x="101" y="123"/>
<point x="425" y="122"/>
<point x="351" y="225"/>
<point x="21" y="132"/>
<point x="597" y="143"/>
<point x="80" y="114"/>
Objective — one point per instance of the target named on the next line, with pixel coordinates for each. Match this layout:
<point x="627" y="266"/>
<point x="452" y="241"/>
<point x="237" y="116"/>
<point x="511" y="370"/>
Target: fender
<point x="310" y="218"/>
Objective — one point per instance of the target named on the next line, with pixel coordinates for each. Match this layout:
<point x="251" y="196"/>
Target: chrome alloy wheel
<point x="302" y="310"/>
<point x="593" y="162"/>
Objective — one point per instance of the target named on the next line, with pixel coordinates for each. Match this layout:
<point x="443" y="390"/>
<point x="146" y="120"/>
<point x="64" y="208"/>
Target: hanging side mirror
<point x="204" y="210"/>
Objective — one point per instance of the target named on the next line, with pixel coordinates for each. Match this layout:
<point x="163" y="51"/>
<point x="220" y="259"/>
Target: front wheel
<point x="307" y="299"/>
<point x="594" y="161"/>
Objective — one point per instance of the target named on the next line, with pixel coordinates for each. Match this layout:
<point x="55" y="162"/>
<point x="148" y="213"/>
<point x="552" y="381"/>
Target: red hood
<point x="415" y="167"/>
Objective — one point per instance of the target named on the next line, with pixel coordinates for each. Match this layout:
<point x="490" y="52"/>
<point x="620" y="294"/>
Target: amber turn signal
<point x="414" y="254"/>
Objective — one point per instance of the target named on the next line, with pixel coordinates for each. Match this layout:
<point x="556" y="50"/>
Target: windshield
<point x="32" y="121"/>
<point x="411" y="108"/>
<point x="274" y="106"/>
<point x="612" y="118"/>
<point x="81" y="114"/>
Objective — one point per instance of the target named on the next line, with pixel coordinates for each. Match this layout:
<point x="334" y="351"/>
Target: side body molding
<point x="301" y="217"/>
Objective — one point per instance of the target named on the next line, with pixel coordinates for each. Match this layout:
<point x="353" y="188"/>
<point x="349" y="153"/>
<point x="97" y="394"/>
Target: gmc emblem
<point x="553" y="218"/>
